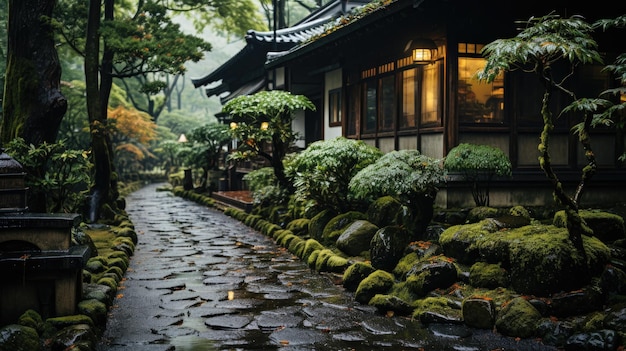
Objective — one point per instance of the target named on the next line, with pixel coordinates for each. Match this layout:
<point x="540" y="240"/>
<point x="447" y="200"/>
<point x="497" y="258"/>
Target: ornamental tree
<point x="549" y="42"/>
<point x="262" y="122"/>
<point x="406" y="175"/>
<point x="478" y="165"/>
<point x="205" y="148"/>
<point x="322" y="172"/>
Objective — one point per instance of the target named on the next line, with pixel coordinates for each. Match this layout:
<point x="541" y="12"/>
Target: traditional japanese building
<point x="400" y="75"/>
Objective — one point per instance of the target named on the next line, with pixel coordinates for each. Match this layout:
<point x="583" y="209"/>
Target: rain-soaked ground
<point x="200" y="280"/>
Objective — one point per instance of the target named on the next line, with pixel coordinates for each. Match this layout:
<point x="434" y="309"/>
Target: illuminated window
<point x="478" y="101"/>
<point x="387" y="103"/>
<point x="431" y="93"/>
<point x="409" y="87"/>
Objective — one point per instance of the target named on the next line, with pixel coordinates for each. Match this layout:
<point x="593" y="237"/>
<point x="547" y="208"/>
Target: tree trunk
<point x="98" y="83"/>
<point x="33" y="106"/>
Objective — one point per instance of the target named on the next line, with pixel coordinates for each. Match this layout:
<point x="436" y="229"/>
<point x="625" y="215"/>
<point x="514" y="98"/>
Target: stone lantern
<point x="12" y="185"/>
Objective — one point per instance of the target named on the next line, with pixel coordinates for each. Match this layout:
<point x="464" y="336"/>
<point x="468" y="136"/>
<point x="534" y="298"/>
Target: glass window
<point x="370" y="119"/>
<point x="354" y="103"/>
<point x="431" y="93"/>
<point x="387" y="103"/>
<point x="409" y="79"/>
<point x="334" y="107"/>
<point x="479" y="102"/>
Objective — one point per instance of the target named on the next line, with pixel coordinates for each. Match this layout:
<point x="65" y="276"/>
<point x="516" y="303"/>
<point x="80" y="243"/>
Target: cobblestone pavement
<point x="200" y="280"/>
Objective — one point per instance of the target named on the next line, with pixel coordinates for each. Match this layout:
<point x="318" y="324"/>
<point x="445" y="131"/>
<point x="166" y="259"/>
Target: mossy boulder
<point x="606" y="226"/>
<point x="479" y="312"/>
<point x="299" y="226"/>
<point x="480" y="213"/>
<point x="17" y="337"/>
<point x="355" y="273"/>
<point x="379" y="282"/>
<point x="437" y="310"/>
<point x="426" y="275"/>
<point x="387" y="247"/>
<point x="356" y="237"/>
<point x="94" y="309"/>
<point x="385" y="211"/>
<point x="488" y="275"/>
<point x="319" y="222"/>
<point x="76" y="337"/>
<point x="338" y="224"/>
<point x="541" y="259"/>
<point x="310" y="246"/>
<point x="31" y="318"/>
<point x="385" y="303"/>
<point x="518" y="318"/>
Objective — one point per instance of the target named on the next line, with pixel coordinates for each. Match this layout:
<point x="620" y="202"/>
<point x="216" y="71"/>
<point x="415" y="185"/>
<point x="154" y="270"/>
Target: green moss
<point x="519" y="211"/>
<point x="16" y="337"/>
<point x="286" y="238"/>
<point x="518" y="318"/>
<point x="438" y="305"/>
<point x="385" y="211"/>
<point x="405" y="264"/>
<point x="355" y="273"/>
<point x="318" y="222"/>
<point x="337" y="224"/>
<point x="337" y="264"/>
<point x="31" y="319"/>
<point x="96" y="310"/>
<point x="299" y="226"/>
<point x="488" y="275"/>
<point x="110" y="282"/>
<point x="379" y="282"/>
<point x="479" y="213"/>
<point x="322" y="258"/>
<point x="310" y="246"/>
<point x="59" y="323"/>
<point x="296" y="246"/>
<point x="312" y="259"/>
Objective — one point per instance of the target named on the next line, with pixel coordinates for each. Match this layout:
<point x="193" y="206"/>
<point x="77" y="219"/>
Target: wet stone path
<point x="200" y="280"/>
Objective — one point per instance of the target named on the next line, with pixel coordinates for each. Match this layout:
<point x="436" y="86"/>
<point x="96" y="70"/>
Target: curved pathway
<point x="200" y="280"/>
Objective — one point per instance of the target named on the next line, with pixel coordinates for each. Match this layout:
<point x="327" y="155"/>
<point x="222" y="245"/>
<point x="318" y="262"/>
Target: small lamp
<point x="233" y="125"/>
<point x="265" y="125"/>
<point x="182" y="138"/>
<point x="424" y="51"/>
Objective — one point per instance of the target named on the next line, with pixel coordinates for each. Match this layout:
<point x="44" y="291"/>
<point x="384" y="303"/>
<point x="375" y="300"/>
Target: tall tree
<point x="33" y="105"/>
<point x="138" y="38"/>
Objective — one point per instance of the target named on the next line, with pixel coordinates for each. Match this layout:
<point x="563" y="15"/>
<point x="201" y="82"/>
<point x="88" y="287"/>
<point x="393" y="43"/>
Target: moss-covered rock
<point x="94" y="309"/>
<point x="388" y="246"/>
<point x="479" y="213"/>
<point x="479" y="312"/>
<point x="338" y="224"/>
<point x="30" y="318"/>
<point x="540" y="258"/>
<point x="385" y="211"/>
<point x="296" y="246"/>
<point x="310" y="246"/>
<point x="319" y="222"/>
<point x="389" y="303"/>
<point x="518" y="318"/>
<point x="299" y="226"/>
<point x="80" y="337"/>
<point x="355" y="273"/>
<point x="429" y="274"/>
<point x="606" y="226"/>
<point x="379" y="282"/>
<point x="437" y="310"/>
<point x="488" y="275"/>
<point x="356" y="237"/>
<point x="17" y="337"/>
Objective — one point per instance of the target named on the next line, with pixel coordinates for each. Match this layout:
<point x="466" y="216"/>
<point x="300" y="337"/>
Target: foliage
<point x="478" y="164"/>
<point x="205" y="148"/>
<point x="403" y="174"/>
<point x="324" y="169"/>
<point x="131" y="133"/>
<point x="264" y="120"/>
<point x="260" y="178"/>
<point x="547" y="42"/>
<point x="66" y="176"/>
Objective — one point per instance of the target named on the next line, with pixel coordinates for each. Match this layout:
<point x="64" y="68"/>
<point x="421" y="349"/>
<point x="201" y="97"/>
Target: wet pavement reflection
<point x="200" y="280"/>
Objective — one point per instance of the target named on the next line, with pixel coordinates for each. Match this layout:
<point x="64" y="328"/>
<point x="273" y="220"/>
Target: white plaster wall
<point x="332" y="80"/>
<point x="298" y="127"/>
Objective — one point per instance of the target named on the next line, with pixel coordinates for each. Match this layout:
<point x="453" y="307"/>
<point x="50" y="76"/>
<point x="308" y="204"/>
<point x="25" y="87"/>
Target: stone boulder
<point x="606" y="226"/>
<point x="16" y="337"/>
<point x="355" y="273"/>
<point x="338" y="224"/>
<point x="357" y="237"/>
<point x="518" y="318"/>
<point x="379" y="282"/>
<point x="540" y="259"/>
<point x="385" y="211"/>
<point x="479" y="312"/>
<point x="388" y="246"/>
<point x="430" y="274"/>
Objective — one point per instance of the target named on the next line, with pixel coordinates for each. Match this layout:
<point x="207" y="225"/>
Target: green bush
<point x="405" y="175"/>
<point x="478" y="165"/>
<point x="322" y="171"/>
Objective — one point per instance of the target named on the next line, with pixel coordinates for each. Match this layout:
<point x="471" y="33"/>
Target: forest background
<point x="150" y="102"/>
